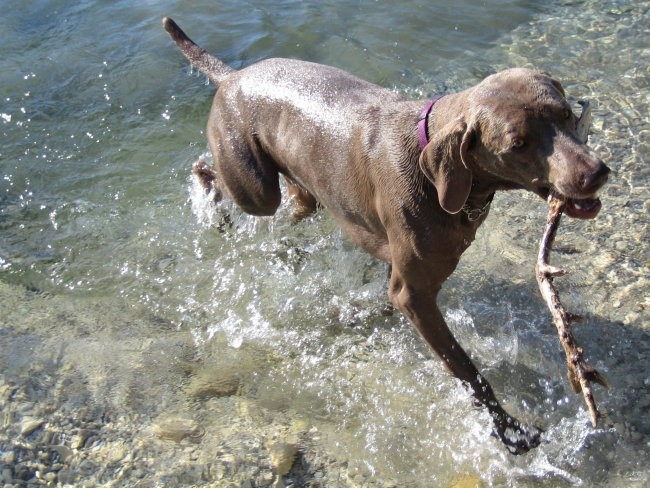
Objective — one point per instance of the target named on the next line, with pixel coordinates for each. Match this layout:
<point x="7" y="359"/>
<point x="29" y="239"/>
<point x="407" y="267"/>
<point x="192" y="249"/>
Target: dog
<point x="410" y="181"/>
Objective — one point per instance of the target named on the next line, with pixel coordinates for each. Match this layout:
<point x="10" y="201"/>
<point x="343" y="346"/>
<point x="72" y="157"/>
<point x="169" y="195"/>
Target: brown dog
<point x="410" y="186"/>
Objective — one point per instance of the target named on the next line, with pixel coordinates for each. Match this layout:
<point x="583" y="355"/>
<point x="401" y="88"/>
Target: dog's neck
<point x="423" y="122"/>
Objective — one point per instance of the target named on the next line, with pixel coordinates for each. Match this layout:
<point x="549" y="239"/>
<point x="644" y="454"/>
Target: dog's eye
<point x="567" y="113"/>
<point x="518" y="143"/>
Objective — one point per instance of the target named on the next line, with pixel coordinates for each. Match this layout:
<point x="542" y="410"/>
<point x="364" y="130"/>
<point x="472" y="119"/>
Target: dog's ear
<point x="443" y="161"/>
<point x="558" y="86"/>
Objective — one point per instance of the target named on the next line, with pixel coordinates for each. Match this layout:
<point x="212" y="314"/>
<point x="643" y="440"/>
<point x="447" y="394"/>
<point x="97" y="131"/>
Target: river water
<point x="149" y="338"/>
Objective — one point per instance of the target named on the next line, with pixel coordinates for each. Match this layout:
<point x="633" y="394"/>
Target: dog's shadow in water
<point x="539" y="372"/>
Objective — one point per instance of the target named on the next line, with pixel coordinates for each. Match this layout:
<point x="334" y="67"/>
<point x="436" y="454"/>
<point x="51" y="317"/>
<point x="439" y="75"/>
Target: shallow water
<point x="129" y="303"/>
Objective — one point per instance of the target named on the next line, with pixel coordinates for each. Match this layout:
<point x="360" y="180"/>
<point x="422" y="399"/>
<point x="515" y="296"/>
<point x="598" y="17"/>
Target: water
<point x="121" y="286"/>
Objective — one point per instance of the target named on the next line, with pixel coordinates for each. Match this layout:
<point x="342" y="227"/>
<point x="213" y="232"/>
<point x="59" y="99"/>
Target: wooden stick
<point x="580" y="374"/>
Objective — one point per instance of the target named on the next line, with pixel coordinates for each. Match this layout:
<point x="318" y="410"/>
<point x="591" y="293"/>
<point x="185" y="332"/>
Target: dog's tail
<point x="207" y="64"/>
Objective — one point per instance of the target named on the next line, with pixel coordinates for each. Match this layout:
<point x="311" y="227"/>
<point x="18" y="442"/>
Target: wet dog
<point x="410" y="181"/>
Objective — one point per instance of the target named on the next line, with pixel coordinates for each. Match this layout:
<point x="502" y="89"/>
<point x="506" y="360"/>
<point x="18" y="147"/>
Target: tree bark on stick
<point x="580" y="374"/>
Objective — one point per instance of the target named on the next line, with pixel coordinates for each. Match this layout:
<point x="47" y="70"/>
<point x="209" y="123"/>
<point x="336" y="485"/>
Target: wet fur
<point x="352" y="147"/>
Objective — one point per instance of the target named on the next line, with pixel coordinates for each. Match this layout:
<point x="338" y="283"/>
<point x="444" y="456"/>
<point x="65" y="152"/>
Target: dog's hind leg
<point x="305" y="202"/>
<point x="249" y="180"/>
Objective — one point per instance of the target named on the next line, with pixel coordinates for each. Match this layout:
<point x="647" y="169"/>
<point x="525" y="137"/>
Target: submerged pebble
<point x="282" y="455"/>
<point x="468" y="481"/>
<point x="7" y="475"/>
<point x="177" y="428"/>
<point x="29" y="425"/>
<point x="65" y="453"/>
<point x="210" y="383"/>
<point x="79" y="439"/>
<point x="8" y="457"/>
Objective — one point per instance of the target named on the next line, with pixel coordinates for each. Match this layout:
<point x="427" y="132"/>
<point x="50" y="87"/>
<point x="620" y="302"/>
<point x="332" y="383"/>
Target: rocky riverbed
<point x="53" y="432"/>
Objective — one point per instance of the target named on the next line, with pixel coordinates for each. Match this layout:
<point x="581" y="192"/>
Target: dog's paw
<point x="518" y="438"/>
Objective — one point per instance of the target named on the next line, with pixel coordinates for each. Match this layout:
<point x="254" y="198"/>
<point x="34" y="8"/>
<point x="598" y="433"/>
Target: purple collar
<point x="423" y="122"/>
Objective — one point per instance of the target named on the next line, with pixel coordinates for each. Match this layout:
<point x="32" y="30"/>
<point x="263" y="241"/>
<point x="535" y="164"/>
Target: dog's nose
<point x="597" y="178"/>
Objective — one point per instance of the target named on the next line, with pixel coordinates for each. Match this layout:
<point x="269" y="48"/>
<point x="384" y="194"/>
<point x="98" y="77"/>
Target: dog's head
<point x="517" y="131"/>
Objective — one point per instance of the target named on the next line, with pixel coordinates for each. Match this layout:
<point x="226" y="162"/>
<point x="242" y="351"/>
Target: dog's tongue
<point x="586" y="208"/>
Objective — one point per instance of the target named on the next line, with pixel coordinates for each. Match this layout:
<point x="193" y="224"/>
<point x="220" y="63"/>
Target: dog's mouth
<point x="578" y="208"/>
<point x="583" y="208"/>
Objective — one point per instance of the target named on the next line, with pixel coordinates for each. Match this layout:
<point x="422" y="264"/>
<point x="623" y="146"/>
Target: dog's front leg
<point x="415" y="296"/>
